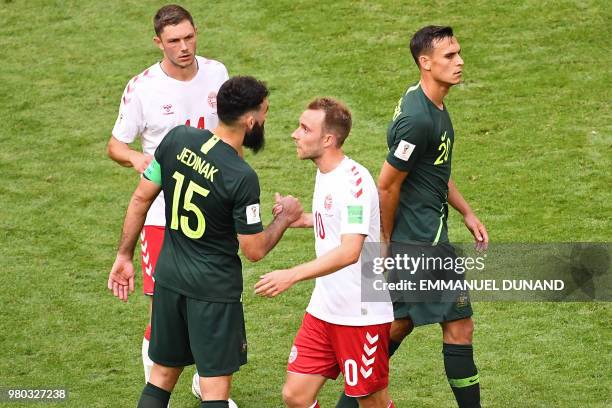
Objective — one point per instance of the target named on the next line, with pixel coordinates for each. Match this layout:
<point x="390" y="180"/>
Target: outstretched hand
<point x="274" y="283"/>
<point x="121" y="278"/>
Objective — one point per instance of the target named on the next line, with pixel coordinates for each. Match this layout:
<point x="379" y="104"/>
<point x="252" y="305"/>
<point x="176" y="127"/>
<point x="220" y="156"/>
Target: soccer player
<point x="339" y="333"/>
<point x="415" y="189"/>
<point x="212" y="208"/>
<point x="179" y="90"/>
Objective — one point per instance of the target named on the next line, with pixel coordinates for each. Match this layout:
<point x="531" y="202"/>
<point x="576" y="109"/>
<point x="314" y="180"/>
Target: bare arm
<point x="256" y="246"/>
<point x="276" y="282"/>
<point x="477" y="228"/>
<point x="389" y="184"/>
<point x="456" y="200"/>
<point x="126" y="156"/>
<point x="121" y="277"/>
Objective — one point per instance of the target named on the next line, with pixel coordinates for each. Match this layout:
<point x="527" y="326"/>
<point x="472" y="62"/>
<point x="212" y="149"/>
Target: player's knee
<point x="293" y="398"/>
<point x="164" y="377"/>
<point x="400" y="328"/>
<point x="169" y="372"/>
<point x="458" y="331"/>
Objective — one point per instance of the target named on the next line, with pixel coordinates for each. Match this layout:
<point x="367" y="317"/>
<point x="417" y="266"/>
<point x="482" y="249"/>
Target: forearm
<point x="120" y="152"/>
<point x="132" y="225"/>
<point x="272" y="234"/>
<point x="331" y="262"/>
<point x="389" y="199"/>
<point x="456" y="200"/>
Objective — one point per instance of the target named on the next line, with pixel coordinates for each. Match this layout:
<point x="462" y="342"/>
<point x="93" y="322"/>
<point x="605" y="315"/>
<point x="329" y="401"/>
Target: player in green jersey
<point x="415" y="189"/>
<point x="212" y="208"/>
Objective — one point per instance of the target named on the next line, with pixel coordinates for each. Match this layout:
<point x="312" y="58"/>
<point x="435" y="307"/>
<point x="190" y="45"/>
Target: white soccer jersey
<point x="154" y="103"/>
<point x="345" y="201"/>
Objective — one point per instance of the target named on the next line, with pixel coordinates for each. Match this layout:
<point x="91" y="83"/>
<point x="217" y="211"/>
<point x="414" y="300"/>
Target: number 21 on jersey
<point x="444" y="148"/>
<point x="183" y="221"/>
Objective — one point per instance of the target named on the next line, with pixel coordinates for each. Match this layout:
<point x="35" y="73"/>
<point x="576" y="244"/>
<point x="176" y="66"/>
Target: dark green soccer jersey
<point x="420" y="140"/>
<point x="211" y="195"/>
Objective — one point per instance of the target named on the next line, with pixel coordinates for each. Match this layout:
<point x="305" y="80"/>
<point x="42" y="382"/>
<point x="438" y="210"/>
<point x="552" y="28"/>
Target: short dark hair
<point x="422" y="41"/>
<point x="239" y="95"/>
<point x="171" y="14"/>
<point x="337" y="117"/>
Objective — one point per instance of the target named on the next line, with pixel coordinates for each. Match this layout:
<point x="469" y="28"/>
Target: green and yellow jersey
<point x="211" y="195"/>
<point x="420" y="140"/>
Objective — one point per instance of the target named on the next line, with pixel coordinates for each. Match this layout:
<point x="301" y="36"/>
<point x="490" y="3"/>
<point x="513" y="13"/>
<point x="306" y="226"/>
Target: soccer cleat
<point x="195" y="390"/>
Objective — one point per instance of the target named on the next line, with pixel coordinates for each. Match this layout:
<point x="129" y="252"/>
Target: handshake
<point x="288" y="207"/>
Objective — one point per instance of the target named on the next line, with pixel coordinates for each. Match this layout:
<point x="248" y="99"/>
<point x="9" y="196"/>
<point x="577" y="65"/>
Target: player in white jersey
<point x="339" y="333"/>
<point x="179" y="90"/>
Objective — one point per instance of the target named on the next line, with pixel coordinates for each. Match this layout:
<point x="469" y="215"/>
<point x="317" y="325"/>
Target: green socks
<point x="214" y="404"/>
<point x="153" y="397"/>
<point x="462" y="374"/>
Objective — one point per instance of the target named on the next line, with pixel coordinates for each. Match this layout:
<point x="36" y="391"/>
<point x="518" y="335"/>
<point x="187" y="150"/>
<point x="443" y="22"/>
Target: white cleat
<point x="195" y="390"/>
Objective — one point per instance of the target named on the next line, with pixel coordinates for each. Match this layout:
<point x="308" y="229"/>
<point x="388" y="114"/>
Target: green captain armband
<point x="153" y="172"/>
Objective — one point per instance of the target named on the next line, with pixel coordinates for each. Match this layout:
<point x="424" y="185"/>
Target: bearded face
<point x="254" y="138"/>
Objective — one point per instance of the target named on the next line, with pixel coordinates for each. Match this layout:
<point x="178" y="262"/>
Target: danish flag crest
<point x="327" y="203"/>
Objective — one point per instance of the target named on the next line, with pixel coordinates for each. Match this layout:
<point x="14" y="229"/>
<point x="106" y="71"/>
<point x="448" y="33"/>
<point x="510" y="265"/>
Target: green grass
<point x="532" y="155"/>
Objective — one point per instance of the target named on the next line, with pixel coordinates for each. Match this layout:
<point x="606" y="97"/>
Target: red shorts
<point x="151" y="239"/>
<point x="361" y="353"/>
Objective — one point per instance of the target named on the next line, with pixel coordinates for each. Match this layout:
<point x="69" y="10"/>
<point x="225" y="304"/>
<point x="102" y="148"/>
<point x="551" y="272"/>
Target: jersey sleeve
<point x="356" y="209"/>
<point x="130" y="121"/>
<point x="247" y="219"/>
<point x="410" y="141"/>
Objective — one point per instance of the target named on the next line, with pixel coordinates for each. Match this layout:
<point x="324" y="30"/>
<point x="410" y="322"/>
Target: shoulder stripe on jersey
<point x="413" y="88"/>
<point x="210" y="143"/>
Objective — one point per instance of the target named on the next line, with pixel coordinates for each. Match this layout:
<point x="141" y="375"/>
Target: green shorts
<point x="424" y="313"/>
<point x="428" y="307"/>
<point x="185" y="330"/>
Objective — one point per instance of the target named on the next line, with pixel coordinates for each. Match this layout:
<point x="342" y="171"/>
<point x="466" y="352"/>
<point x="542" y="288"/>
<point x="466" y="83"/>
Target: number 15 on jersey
<point x="188" y="206"/>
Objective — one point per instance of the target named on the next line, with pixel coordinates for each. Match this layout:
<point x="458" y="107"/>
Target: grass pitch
<point x="532" y="155"/>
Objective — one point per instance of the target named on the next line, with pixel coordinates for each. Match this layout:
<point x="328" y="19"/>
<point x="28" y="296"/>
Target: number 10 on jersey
<point x="188" y="206"/>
